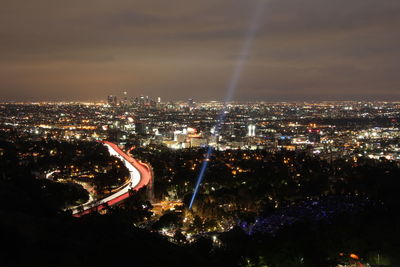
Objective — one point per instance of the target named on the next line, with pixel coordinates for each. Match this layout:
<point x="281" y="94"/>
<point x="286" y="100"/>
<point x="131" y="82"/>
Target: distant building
<point x="142" y="101"/>
<point x="140" y="128"/>
<point x="228" y="129"/>
<point x="314" y="138"/>
<point x="251" y="130"/>
<point x="180" y="136"/>
<point x="124" y="101"/>
<point x="314" y="135"/>
<point x="112" y="100"/>
<point x="191" y="103"/>
<point x="198" y="142"/>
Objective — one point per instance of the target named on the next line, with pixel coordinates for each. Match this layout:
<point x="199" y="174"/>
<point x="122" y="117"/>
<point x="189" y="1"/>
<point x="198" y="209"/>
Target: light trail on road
<point x="140" y="176"/>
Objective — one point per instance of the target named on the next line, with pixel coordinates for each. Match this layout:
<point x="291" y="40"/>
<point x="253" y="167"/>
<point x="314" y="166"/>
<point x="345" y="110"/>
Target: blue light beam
<point x="232" y="85"/>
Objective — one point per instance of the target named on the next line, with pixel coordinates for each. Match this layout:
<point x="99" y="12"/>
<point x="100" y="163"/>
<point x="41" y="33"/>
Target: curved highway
<point x="140" y="176"/>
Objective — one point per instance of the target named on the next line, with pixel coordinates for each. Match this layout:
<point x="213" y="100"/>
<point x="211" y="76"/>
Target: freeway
<point x="140" y="176"/>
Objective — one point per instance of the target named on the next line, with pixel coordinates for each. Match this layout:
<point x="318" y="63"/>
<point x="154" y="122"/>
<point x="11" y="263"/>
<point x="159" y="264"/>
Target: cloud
<point x="187" y="49"/>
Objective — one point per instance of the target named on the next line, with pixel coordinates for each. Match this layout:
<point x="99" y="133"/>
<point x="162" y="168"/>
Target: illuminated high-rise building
<point x="125" y="99"/>
<point x="112" y="100"/>
<point x="251" y="130"/>
<point x="141" y="128"/>
<point x="191" y="102"/>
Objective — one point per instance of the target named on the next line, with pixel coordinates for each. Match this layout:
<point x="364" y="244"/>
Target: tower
<point x="251" y="130"/>
<point x="191" y="103"/>
<point x="125" y="99"/>
<point x="112" y="100"/>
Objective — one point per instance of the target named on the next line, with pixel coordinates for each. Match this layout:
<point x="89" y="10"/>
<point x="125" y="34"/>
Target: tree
<point x="168" y="220"/>
<point x="179" y="237"/>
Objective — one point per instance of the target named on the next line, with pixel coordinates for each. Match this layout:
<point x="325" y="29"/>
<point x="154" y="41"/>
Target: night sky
<point x="305" y="49"/>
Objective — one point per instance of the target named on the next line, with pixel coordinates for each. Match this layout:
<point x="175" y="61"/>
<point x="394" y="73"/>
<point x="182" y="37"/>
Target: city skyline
<point x="308" y="51"/>
<point x="229" y="133"/>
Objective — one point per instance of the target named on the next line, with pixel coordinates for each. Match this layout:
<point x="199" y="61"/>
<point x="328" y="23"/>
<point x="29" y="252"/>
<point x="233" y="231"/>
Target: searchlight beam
<point x="232" y="85"/>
